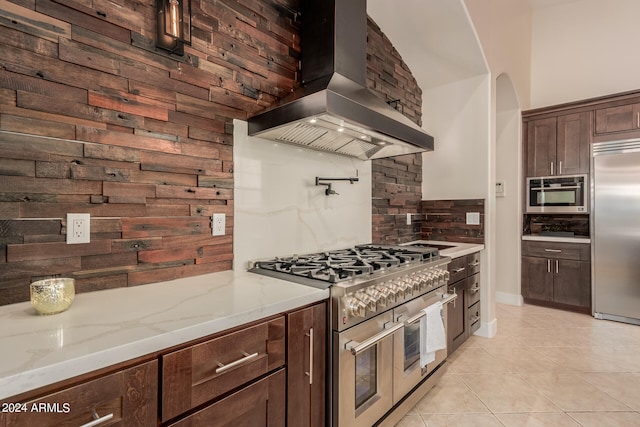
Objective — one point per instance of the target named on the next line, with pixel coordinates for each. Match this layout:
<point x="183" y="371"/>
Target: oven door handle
<point x="446" y="299"/>
<point x="358" y="347"/>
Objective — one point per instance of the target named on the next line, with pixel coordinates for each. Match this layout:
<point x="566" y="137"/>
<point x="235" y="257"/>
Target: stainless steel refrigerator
<point x="615" y="230"/>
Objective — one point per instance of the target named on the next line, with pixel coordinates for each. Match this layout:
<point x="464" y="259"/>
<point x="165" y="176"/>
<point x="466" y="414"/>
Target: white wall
<point x="457" y="115"/>
<point x="278" y="209"/>
<point x="584" y="49"/>
<point x="509" y="207"/>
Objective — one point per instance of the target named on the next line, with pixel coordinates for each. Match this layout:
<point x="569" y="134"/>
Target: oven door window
<point x="411" y="344"/>
<point x="366" y="375"/>
<point x="556" y="198"/>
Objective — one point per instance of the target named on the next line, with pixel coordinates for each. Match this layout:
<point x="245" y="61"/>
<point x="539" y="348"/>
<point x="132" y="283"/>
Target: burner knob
<point x="398" y="292"/>
<point x="377" y="296"/>
<point x="369" y="302"/>
<point x="406" y="286"/>
<point x="424" y="281"/>
<point x="441" y="277"/>
<point x="447" y="276"/>
<point x="387" y="292"/>
<point x="355" y="307"/>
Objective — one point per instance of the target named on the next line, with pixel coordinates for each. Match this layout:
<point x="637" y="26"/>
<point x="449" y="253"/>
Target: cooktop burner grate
<point x="339" y="265"/>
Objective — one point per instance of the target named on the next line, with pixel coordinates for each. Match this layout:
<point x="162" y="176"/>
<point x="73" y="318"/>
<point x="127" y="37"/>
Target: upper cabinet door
<point x="541" y="147"/>
<point x="618" y="119"/>
<point x="572" y="148"/>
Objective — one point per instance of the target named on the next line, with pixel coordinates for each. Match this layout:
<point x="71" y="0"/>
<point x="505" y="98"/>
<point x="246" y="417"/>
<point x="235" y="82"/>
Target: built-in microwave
<point x="557" y="194"/>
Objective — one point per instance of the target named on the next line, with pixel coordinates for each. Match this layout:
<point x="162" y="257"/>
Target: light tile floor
<point x="544" y="367"/>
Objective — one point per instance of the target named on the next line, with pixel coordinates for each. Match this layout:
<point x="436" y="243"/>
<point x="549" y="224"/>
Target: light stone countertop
<point x="538" y="238"/>
<point x="458" y="249"/>
<point x="107" y="327"/>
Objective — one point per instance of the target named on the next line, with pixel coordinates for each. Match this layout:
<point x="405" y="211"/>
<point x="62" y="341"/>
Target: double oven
<point x="378" y="299"/>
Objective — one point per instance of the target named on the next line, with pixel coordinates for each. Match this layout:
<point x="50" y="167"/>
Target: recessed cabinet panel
<point x="126" y="398"/>
<point x="202" y="372"/>
<point x="618" y="119"/>
<point x="541" y="146"/>
<point x="260" y="404"/>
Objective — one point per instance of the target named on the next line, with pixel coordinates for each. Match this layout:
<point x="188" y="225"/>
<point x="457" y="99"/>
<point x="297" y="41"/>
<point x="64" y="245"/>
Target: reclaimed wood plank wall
<point x="397" y="181"/>
<point x="94" y="119"/>
<point x="447" y="220"/>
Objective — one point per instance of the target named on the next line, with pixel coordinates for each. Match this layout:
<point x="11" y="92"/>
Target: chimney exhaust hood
<point x="333" y="110"/>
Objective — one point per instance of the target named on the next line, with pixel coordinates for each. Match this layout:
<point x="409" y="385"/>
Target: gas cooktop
<point x="340" y="265"/>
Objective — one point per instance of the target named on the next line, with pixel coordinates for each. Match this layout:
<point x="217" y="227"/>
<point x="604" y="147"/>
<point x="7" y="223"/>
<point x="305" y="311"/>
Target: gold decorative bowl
<point x="51" y="296"/>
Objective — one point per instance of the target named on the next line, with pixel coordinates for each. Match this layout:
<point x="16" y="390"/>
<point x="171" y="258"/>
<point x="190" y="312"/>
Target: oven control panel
<point x="354" y="306"/>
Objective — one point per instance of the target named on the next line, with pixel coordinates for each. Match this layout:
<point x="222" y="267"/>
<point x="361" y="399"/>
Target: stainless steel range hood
<point x="333" y="110"/>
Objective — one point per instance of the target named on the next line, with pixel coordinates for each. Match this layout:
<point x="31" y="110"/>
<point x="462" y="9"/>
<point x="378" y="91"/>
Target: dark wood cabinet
<point x="463" y="315"/>
<point x="557" y="273"/>
<point x="537" y="282"/>
<point x="203" y="372"/>
<point x="558" y="145"/>
<point x="306" y="366"/>
<point x="619" y="118"/>
<point x="456" y="320"/>
<point x="261" y="403"/>
<point x="271" y="372"/>
<point x="125" y="398"/>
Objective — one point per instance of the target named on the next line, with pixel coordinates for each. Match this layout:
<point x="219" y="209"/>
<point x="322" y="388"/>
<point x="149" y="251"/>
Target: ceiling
<point x="434" y="37"/>
<point x="539" y="4"/>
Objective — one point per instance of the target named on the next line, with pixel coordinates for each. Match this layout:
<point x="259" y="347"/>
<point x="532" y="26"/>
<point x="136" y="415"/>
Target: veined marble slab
<point x="107" y="327"/>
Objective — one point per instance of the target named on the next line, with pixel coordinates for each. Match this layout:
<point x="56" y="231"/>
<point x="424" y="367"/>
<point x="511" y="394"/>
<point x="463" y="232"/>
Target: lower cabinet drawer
<point x="259" y="404"/>
<point x="127" y="398"/>
<point x="473" y="289"/>
<point x="202" y="372"/>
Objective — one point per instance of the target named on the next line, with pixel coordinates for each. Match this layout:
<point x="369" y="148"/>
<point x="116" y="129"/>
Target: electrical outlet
<point x="218" y="222"/>
<point x="473" y="218"/>
<point x="78" y="228"/>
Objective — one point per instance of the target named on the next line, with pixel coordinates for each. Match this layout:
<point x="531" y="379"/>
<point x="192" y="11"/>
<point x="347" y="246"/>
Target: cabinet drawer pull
<point x="474" y="290"/>
<point x="247" y="357"/>
<point x="310" y="373"/>
<point x="475" y="264"/>
<point x="458" y="270"/>
<point x="474" y="319"/>
<point x="560" y="167"/>
<point x="638" y="120"/>
<point x="552" y="169"/>
<point x="548" y="266"/>
<point x="558" y="251"/>
<point x="97" y="420"/>
<point x="557" y="268"/>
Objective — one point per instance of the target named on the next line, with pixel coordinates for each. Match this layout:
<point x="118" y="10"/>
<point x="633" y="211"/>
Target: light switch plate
<point x="78" y="228"/>
<point x="473" y="218"/>
<point x="500" y="189"/>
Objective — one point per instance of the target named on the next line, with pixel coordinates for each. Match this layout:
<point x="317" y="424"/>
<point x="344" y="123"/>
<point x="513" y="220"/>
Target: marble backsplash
<point x="278" y="209"/>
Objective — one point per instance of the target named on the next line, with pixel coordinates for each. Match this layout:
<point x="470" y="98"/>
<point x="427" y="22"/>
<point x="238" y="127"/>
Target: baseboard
<point x="487" y="329"/>
<point x="509" y="299"/>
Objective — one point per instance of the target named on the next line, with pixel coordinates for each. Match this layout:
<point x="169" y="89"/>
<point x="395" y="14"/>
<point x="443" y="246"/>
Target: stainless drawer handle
<point x="310" y="373"/>
<point x="458" y="270"/>
<point x="447" y="298"/>
<point x="475" y="264"/>
<point x="558" y="251"/>
<point x="357" y="348"/>
<point x="474" y="290"/>
<point x="97" y="420"/>
<point x="474" y="319"/>
<point x="247" y="357"/>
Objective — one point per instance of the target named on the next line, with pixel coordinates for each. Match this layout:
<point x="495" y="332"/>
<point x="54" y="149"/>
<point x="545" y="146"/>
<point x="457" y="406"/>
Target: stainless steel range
<point x="378" y="296"/>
